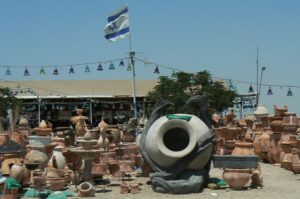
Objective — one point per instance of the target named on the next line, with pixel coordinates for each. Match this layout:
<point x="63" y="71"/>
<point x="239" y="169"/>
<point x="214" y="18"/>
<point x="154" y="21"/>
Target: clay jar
<point x="57" y="160"/>
<point x="279" y="112"/>
<point x="249" y="133"/>
<point x="243" y="148"/>
<point x="290" y="122"/>
<point x="286" y="155"/>
<point x="276" y="124"/>
<point x="16" y="172"/>
<point x="37" y="155"/>
<point x="57" y="184"/>
<point x="108" y="157"/>
<point x="295" y="160"/>
<point x="275" y="148"/>
<point x="237" y="178"/>
<point x="100" y="169"/>
<point x="85" y="189"/>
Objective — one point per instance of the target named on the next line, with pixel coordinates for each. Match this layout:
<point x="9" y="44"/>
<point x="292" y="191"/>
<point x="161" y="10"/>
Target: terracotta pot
<point x="275" y="148"/>
<point x="134" y="188"/>
<point x="262" y="141"/>
<point x="16" y="172"/>
<point x="276" y="124"/>
<point x="290" y="122"/>
<point x="73" y="160"/>
<point x="243" y="148"/>
<point x="108" y="157"/>
<point x="100" y="169"/>
<point x="219" y="146"/>
<point x="114" y="167"/>
<point x="265" y="121"/>
<point x="237" y="178"/>
<point x="295" y="160"/>
<point x="279" y="112"/>
<point x="127" y="165"/>
<point x="249" y="133"/>
<point x="23" y="122"/>
<point x="124" y="188"/>
<point x="85" y="189"/>
<point x="57" y="184"/>
<point x="257" y="177"/>
<point x="57" y="160"/>
<point x="7" y="160"/>
<point x="37" y="155"/>
<point x="40" y="182"/>
<point x="19" y="138"/>
<point x="3" y="138"/>
<point x="286" y="156"/>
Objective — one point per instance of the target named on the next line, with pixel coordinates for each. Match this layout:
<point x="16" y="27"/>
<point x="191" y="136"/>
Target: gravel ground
<point x="278" y="183"/>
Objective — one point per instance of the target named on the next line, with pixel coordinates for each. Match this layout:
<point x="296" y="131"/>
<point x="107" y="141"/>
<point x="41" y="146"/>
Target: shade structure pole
<point x="132" y="54"/>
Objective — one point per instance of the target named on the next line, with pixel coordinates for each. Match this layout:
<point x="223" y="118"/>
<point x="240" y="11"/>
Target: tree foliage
<point x="7" y="100"/>
<point x="178" y="90"/>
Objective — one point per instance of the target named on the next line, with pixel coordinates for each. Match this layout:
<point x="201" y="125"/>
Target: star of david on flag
<point x="118" y="25"/>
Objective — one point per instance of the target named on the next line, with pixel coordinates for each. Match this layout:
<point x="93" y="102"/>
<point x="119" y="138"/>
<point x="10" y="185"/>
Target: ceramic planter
<point x="85" y="189"/>
<point x="237" y="178"/>
<point x="57" y="184"/>
<point x="243" y="148"/>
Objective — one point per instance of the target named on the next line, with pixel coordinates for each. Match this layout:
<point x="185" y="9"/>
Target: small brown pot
<point x="86" y="189"/>
<point x="237" y="178"/>
<point x="124" y="188"/>
<point x="57" y="184"/>
<point x="134" y="188"/>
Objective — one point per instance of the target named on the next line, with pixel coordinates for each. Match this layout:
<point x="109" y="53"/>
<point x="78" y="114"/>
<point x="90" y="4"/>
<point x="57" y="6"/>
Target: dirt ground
<point x="278" y="183"/>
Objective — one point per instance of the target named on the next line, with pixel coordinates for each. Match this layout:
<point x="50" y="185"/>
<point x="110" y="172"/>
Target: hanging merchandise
<point x="156" y="70"/>
<point x="289" y="93"/>
<point x="111" y="66"/>
<point x="251" y="89"/>
<point x="121" y="63"/>
<point x="87" y="69"/>
<point x="100" y="68"/>
<point x="270" y="92"/>
<point x="129" y="67"/>
<point x="8" y="72"/>
<point x="42" y="71"/>
<point x="26" y="72"/>
<point x="71" y="70"/>
<point x="55" y="71"/>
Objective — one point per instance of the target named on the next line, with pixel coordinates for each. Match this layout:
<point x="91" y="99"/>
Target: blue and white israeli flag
<point x="118" y="25"/>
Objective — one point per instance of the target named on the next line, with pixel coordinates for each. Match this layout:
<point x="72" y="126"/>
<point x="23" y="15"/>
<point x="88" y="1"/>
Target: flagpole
<point x="131" y="55"/>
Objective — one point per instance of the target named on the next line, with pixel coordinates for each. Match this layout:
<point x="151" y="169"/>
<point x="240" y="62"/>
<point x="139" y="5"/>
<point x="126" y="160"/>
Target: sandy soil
<point x="278" y="183"/>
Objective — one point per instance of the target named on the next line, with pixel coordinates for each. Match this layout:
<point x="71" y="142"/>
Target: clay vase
<point x="249" y="133"/>
<point x="124" y="188"/>
<point x="40" y="182"/>
<point x="295" y="160"/>
<point x="265" y="121"/>
<point x="16" y="172"/>
<point x="290" y="122"/>
<point x="100" y="169"/>
<point x="243" y="148"/>
<point x="134" y="188"/>
<point x="57" y="184"/>
<point x="85" y="189"/>
<point x="279" y="112"/>
<point x="286" y="156"/>
<point x="114" y="167"/>
<point x="57" y="160"/>
<point x="257" y="177"/>
<point x="237" y="178"/>
<point x="107" y="157"/>
<point x="37" y="155"/>
<point x="257" y="141"/>
<point x="23" y="122"/>
<point x="276" y="124"/>
<point x="127" y="165"/>
<point x="275" y="148"/>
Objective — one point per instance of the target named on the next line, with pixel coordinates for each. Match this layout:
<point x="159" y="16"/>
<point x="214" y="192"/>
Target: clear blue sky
<point x="193" y="35"/>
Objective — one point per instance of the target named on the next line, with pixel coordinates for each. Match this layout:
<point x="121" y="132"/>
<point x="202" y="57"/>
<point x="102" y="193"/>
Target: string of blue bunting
<point x="111" y="65"/>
